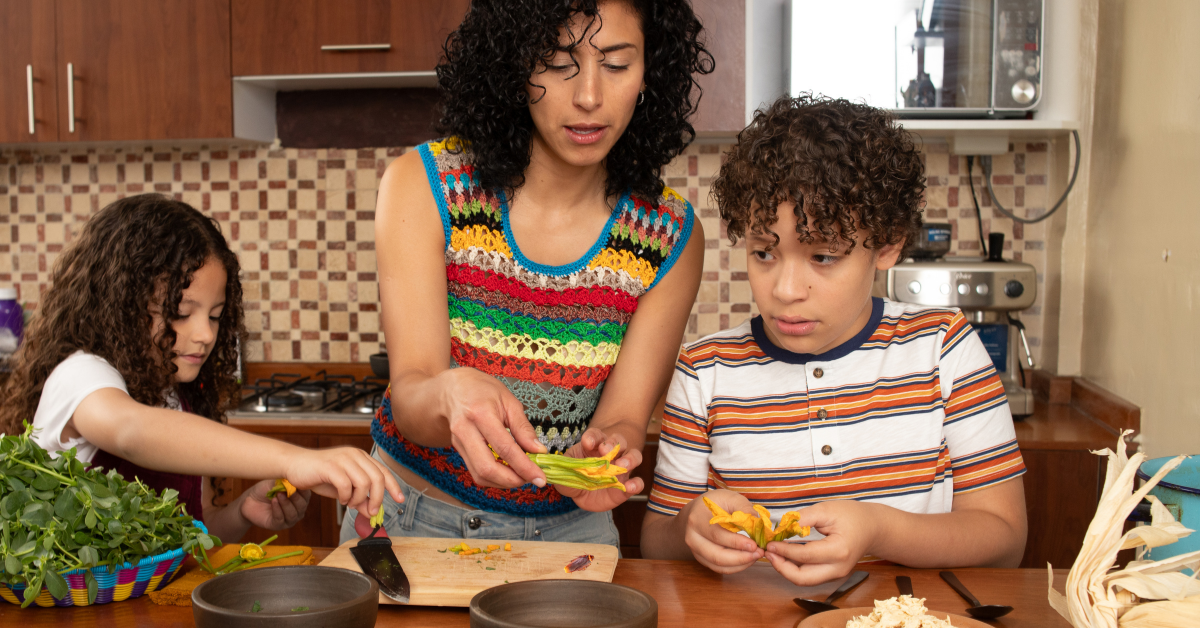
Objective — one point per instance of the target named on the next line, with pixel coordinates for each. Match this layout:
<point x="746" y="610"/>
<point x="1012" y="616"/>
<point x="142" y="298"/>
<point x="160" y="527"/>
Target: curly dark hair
<point x="130" y="254"/>
<point x="847" y="167"/>
<point x="489" y="61"/>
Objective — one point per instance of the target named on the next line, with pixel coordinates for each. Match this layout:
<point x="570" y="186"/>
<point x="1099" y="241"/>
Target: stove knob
<point x="981" y="289"/>
<point x="914" y="287"/>
<point x="1014" y="289"/>
<point x="964" y="289"/>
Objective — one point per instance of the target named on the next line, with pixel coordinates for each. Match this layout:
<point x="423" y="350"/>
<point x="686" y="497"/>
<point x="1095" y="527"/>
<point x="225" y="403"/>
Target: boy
<point x="883" y="424"/>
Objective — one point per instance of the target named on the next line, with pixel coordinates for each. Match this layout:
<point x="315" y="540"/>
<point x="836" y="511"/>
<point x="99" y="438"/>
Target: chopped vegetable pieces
<point x="281" y="485"/>
<point x="256" y="608"/>
<point x="759" y="528"/>
<point x="508" y="547"/>
<point x="299" y="609"/>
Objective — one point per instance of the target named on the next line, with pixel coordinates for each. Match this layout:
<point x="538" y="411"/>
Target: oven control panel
<point x="970" y="284"/>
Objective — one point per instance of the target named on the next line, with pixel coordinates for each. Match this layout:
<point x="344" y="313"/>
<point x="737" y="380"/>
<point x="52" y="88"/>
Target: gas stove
<point x="321" y="395"/>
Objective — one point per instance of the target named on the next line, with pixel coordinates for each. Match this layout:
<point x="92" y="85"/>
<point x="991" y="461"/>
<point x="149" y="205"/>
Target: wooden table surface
<point x="687" y="594"/>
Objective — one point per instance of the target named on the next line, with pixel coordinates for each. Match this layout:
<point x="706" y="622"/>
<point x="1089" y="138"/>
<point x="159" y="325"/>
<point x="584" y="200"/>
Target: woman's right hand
<point x="713" y="546"/>
<point x="480" y="410"/>
<point x="347" y="474"/>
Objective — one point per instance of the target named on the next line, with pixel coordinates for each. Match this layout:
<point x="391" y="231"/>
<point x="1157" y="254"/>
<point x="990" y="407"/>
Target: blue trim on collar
<point x="565" y="269"/>
<point x="838" y="352"/>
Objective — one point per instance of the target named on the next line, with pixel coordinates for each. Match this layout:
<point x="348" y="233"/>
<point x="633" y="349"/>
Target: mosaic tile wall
<point x="302" y="222"/>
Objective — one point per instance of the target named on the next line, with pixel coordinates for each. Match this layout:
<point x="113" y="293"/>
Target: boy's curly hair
<point x="129" y="254"/>
<point x="490" y="59"/>
<point x="845" y="165"/>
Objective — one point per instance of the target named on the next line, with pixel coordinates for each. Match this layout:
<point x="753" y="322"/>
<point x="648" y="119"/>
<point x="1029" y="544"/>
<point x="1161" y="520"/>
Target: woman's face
<point x="584" y="110"/>
<point x="196" y="332"/>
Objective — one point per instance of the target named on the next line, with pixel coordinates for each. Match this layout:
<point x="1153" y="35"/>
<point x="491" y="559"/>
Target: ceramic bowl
<point x="563" y="604"/>
<point x="333" y="597"/>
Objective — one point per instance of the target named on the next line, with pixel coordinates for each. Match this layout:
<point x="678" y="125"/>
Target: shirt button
<point x="822" y="413"/>
<point x="817" y="373"/>
<point x="474" y="523"/>
<point x="827" y="450"/>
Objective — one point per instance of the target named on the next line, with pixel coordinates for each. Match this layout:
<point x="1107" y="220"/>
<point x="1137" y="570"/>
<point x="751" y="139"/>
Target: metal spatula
<point x="377" y="559"/>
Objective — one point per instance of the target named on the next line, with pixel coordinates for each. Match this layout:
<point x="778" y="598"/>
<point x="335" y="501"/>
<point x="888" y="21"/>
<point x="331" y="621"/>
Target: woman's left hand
<point x="596" y="443"/>
<point x="278" y="513"/>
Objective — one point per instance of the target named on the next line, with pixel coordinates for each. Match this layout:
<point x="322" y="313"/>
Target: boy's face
<point x="812" y="299"/>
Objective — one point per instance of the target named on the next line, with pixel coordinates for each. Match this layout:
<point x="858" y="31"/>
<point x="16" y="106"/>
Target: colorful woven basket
<point x="150" y="574"/>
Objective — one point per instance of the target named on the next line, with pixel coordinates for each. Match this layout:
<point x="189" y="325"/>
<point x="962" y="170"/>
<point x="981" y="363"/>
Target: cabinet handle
<point x="29" y="93"/>
<point x="356" y="47"/>
<point x="70" y="98"/>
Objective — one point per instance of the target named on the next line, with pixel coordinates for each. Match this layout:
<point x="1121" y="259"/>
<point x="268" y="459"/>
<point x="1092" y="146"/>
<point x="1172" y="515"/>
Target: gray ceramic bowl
<point x="563" y="604"/>
<point x="334" y="597"/>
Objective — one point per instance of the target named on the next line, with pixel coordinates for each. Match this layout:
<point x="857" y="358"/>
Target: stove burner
<point x="281" y="401"/>
<point x="319" y="393"/>
<point x="369" y="404"/>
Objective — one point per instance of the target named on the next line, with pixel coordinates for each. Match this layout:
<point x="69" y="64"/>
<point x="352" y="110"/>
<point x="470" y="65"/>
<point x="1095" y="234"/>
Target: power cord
<point x="978" y="216"/>
<point x="985" y="162"/>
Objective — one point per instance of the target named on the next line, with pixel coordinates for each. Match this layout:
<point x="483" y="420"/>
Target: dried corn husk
<point x="1145" y="594"/>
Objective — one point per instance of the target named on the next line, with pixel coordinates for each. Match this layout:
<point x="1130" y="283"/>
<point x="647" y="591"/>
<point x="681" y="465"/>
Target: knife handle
<point x="958" y="587"/>
<point x="850" y="583"/>
<point x="904" y="583"/>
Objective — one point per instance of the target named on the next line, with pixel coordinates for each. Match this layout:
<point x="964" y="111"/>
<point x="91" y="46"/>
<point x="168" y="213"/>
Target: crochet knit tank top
<point x="551" y="334"/>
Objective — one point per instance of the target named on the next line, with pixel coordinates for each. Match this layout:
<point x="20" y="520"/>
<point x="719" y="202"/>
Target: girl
<point x="131" y="361"/>
<point x="535" y="274"/>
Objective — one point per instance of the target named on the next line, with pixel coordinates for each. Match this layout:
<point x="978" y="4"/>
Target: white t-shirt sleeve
<point x="69" y="384"/>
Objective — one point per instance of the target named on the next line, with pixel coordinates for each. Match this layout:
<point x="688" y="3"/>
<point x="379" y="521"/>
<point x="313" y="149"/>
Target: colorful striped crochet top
<point x="551" y="334"/>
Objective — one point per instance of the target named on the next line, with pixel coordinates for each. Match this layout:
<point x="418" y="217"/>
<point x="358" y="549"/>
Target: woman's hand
<point x="850" y="528"/>
<point x="277" y="513"/>
<point x="346" y="474"/>
<point x="596" y="443"/>
<point x="481" y="411"/>
<point x="713" y="546"/>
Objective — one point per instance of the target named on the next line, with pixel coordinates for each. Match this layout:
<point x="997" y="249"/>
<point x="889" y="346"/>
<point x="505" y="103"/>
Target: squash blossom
<point x="759" y="528"/>
<point x="590" y="474"/>
<point x="377" y="518"/>
<point x="252" y="551"/>
<point x="281" y="485"/>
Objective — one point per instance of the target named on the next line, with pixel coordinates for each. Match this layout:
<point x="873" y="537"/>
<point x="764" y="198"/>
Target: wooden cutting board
<point x="442" y="578"/>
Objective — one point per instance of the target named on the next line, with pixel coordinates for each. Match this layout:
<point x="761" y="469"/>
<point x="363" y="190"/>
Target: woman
<point x="535" y="274"/>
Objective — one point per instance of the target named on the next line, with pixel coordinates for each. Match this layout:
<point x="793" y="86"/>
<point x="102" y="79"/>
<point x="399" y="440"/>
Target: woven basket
<point x="151" y="574"/>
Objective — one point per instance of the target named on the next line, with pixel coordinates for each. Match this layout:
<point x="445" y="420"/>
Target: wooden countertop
<point x="688" y="595"/>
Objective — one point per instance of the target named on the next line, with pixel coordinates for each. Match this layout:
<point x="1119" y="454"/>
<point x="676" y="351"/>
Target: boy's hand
<point x="713" y="546"/>
<point x="346" y="474"/>
<point x="277" y="513"/>
<point x="594" y="444"/>
<point x="850" y="529"/>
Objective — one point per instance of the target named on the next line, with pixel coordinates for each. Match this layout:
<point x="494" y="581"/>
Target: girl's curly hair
<point x="489" y="61"/>
<point x="847" y="167"/>
<point x="132" y="253"/>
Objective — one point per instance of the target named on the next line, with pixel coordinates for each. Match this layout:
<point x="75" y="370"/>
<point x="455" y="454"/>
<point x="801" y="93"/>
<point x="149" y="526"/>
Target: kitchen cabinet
<point x="111" y="70"/>
<point x="276" y="37"/>
<point x="28" y="79"/>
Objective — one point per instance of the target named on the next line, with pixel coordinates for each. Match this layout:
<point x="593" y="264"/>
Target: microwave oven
<point x="920" y="58"/>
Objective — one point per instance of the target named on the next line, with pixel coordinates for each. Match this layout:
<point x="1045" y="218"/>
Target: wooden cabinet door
<point x="144" y="69"/>
<point x="27" y="71"/>
<point x="287" y="36"/>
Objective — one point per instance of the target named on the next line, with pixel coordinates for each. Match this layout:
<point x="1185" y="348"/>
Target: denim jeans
<point x="428" y="517"/>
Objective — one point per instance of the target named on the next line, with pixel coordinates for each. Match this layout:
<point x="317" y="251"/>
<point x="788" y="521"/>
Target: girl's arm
<point x="432" y="404"/>
<point x="178" y="442"/>
<point x="641" y="374"/>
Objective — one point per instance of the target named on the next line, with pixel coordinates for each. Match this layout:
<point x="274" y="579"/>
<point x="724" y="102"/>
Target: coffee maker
<point x="990" y="292"/>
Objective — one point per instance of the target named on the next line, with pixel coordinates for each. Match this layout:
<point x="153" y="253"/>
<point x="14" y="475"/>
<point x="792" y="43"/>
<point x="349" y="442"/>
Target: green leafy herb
<point x="256" y="608"/>
<point x="299" y="609"/>
<point x="57" y="514"/>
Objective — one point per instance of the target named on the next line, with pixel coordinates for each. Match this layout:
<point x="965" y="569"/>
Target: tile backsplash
<point x="302" y="222"/>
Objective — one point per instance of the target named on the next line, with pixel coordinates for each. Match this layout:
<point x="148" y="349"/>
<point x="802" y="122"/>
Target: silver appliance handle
<point x="29" y="94"/>
<point x="70" y="98"/>
<point x="1025" y="345"/>
<point x="356" y="47"/>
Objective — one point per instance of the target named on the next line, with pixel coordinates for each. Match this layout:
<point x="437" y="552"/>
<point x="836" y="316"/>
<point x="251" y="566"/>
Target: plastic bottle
<point x="11" y="321"/>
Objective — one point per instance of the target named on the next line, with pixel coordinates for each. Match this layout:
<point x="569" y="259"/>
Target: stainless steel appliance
<point x="921" y="58"/>
<point x="989" y="292"/>
<point x="289" y="395"/>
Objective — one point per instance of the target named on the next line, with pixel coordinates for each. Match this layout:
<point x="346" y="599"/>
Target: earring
<point x="641" y="97"/>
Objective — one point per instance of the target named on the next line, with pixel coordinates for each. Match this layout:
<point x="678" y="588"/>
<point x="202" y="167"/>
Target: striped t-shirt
<point x="907" y="413"/>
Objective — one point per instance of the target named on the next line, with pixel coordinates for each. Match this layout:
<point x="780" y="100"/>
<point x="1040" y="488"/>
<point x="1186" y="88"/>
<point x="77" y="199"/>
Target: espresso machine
<point x="990" y="292"/>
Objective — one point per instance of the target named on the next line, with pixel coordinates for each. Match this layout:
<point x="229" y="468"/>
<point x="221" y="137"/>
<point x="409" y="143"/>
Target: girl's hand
<point x="850" y="529"/>
<point x="278" y="513"/>
<point x="713" y="546"/>
<point x="481" y="411"/>
<point x="596" y="443"/>
<point x="346" y="474"/>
